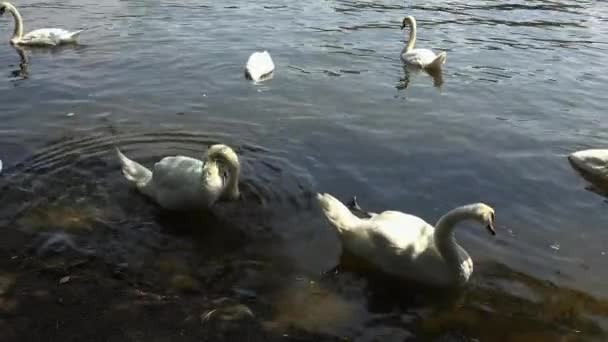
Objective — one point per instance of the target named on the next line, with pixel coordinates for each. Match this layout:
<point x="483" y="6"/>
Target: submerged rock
<point x="57" y="243"/>
<point x="229" y="318"/>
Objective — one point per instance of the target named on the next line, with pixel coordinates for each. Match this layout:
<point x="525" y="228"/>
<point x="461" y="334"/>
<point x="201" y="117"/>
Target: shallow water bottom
<point x="56" y="285"/>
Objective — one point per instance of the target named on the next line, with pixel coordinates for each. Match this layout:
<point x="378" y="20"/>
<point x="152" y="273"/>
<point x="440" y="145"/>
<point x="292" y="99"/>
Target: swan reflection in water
<point x="24" y="65"/>
<point x="410" y="71"/>
<point x="23" y="72"/>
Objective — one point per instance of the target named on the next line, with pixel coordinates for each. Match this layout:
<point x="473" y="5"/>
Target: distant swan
<point x="183" y="183"/>
<point x="406" y="246"/>
<point x="41" y="37"/>
<point x="422" y="58"/>
<point x="259" y="66"/>
<point x="593" y="161"/>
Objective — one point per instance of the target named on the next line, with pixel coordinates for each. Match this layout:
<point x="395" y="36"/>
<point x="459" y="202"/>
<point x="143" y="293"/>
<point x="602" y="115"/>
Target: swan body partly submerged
<point x="592" y="161"/>
<point x="259" y="66"/>
<point x="183" y="183"/>
<point x="40" y="37"/>
<point x="406" y="246"/>
<point x="422" y="58"/>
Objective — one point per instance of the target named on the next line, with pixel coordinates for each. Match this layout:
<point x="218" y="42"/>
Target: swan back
<point x="259" y="66"/>
<point x="593" y="161"/>
<point x="50" y="36"/>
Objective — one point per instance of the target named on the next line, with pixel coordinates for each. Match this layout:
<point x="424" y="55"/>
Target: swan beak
<point x="2" y="10"/>
<point x="490" y="227"/>
<point x="402" y="26"/>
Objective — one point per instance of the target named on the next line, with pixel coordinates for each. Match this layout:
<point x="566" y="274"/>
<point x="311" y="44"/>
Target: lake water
<point x="524" y="85"/>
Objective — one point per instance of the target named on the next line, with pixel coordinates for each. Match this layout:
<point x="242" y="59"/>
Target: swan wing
<point x="259" y="65"/>
<point x="389" y="235"/>
<point x="419" y="57"/>
<point x="49" y="36"/>
<point x="176" y="172"/>
<point x="402" y="245"/>
<point x="401" y="231"/>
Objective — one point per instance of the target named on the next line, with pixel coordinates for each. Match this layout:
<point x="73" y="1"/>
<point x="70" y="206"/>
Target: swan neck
<point x="412" y="35"/>
<point x="445" y="241"/>
<point x="232" y="187"/>
<point x="18" y="30"/>
<point x="227" y="155"/>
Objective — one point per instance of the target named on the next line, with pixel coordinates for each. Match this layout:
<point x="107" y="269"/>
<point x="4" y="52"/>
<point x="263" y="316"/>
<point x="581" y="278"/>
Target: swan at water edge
<point x="259" y="66"/>
<point x="40" y="37"/>
<point x="406" y="246"/>
<point x="593" y="161"/>
<point x="183" y="183"/>
<point x="423" y="58"/>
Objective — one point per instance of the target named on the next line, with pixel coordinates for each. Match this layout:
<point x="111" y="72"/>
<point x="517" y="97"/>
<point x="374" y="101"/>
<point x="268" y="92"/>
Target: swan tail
<point x="133" y="171"/>
<point x="337" y="213"/>
<point x="75" y="35"/>
<point x="438" y="61"/>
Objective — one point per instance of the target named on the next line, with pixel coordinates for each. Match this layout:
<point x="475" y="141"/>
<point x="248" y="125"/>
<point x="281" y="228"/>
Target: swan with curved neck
<point x="406" y="246"/>
<point x="423" y="58"/>
<point x="184" y="183"/>
<point x="40" y="37"/>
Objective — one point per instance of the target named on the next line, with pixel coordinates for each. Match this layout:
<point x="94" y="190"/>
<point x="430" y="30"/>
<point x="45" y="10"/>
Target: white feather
<point x="40" y="37"/>
<point x="406" y="246"/>
<point x="182" y="183"/>
<point x="259" y="66"/>
<point x="422" y="58"/>
<point x="593" y="161"/>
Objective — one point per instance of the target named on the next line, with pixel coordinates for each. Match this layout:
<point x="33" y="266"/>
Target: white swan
<point x="41" y="37"/>
<point x="182" y="183"/>
<point x="423" y="58"/>
<point x="593" y="161"/>
<point x="406" y="246"/>
<point x="259" y="66"/>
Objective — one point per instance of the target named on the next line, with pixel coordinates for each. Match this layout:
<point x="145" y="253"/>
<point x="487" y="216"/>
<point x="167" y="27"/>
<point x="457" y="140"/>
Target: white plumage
<point x="259" y="66"/>
<point x="422" y="58"/>
<point x="183" y="183"/>
<point x="406" y="246"/>
<point x="592" y="161"/>
<point x="40" y="37"/>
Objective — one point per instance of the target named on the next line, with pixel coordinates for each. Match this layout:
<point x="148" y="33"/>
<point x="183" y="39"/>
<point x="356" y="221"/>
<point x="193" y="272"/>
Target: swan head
<point x="485" y="215"/>
<point x="227" y="158"/>
<point x="409" y="20"/>
<point x="2" y="8"/>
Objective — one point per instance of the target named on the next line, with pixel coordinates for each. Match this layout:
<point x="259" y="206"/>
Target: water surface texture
<point x="524" y="85"/>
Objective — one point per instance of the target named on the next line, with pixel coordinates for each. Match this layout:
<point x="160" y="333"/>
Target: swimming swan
<point x="406" y="246"/>
<point x="182" y="183"/>
<point x="593" y="161"/>
<point x="259" y="66"/>
<point x="423" y="58"/>
<point x="41" y="37"/>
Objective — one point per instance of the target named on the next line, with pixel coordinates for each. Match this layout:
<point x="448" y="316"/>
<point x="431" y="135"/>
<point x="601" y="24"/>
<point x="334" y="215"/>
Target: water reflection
<point x="519" y="307"/>
<point x="410" y="72"/>
<point x="23" y="72"/>
<point x="597" y="184"/>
